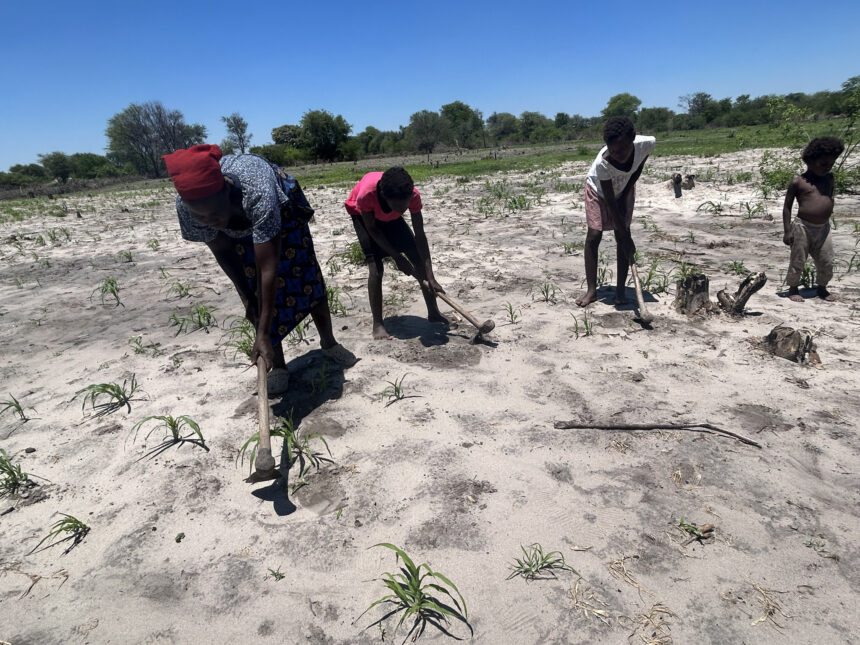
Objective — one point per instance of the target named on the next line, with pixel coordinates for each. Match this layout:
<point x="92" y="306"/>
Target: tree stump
<point x="676" y="184"/>
<point x="691" y="294"/>
<point x="689" y="182"/>
<point x="735" y="304"/>
<point x="792" y="344"/>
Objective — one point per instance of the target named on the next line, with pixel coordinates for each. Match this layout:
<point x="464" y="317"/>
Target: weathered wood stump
<point x="691" y="294"/>
<point x="735" y="304"/>
<point x="676" y="184"/>
<point x="689" y="182"/>
<point x="792" y="344"/>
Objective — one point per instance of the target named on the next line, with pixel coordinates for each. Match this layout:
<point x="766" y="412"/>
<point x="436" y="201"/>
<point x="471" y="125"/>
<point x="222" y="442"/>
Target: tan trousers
<point x="810" y="240"/>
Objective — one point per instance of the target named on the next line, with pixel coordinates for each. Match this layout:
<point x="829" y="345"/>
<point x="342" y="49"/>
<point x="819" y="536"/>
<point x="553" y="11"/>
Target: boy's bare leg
<point x="374" y="293"/>
<point x="824" y="294"/>
<point x="623" y="244"/>
<point x="433" y="313"/>
<point x="592" y="242"/>
<point x="278" y="362"/>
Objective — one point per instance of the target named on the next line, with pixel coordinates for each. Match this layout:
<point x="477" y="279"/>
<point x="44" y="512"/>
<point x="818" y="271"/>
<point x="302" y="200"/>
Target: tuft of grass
<point x="11" y="475"/>
<point x="239" y="337"/>
<point x="139" y="348"/>
<point x="117" y="396"/>
<point x="537" y="565"/>
<point x="807" y="276"/>
<point x="546" y="292"/>
<point x="394" y="392"/>
<point x="420" y="593"/>
<point x="711" y="207"/>
<point x="511" y="313"/>
<point x="276" y="574"/>
<point x="200" y="317"/>
<point x="737" y="267"/>
<point x="570" y="248"/>
<point x="108" y="288"/>
<point x="179" y="290"/>
<point x="175" y="426"/>
<point x="125" y="255"/>
<point x="335" y="304"/>
<point x="583" y="328"/>
<point x="153" y="244"/>
<point x="353" y="254"/>
<point x="15" y="406"/>
<point x="750" y="209"/>
<point x="299" y="334"/>
<point x="76" y="530"/>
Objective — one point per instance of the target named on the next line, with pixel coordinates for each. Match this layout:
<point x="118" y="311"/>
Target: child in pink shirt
<point x="376" y="204"/>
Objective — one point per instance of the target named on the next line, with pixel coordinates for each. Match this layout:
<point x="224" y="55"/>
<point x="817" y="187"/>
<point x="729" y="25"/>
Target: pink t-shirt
<point x="363" y="199"/>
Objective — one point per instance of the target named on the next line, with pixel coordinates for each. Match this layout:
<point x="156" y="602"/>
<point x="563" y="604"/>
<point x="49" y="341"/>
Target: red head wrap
<point x="196" y="172"/>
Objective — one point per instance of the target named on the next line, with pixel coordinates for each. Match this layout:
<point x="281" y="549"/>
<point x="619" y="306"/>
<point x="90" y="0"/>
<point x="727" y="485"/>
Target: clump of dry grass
<point x="618" y="570"/>
<point x="586" y="602"/>
<point x="652" y="627"/>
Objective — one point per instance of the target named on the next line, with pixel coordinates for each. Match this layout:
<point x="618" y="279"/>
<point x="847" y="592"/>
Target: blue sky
<point x="68" y="67"/>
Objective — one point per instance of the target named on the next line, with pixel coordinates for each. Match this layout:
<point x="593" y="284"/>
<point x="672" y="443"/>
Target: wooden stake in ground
<point x="735" y="304"/>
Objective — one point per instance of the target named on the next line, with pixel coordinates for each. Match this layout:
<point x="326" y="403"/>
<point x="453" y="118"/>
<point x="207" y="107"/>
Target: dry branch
<point x="631" y="427"/>
<point x="735" y="304"/>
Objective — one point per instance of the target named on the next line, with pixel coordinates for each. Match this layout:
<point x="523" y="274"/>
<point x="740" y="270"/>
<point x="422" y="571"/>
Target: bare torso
<point x="814" y="197"/>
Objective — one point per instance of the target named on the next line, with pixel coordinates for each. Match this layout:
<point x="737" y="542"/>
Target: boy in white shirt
<point x="610" y="191"/>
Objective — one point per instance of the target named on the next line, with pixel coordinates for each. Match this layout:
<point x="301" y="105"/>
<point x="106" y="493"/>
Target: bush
<point x="281" y="154"/>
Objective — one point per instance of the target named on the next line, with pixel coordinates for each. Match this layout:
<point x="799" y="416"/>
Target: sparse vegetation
<point x="15" y="406"/>
<point x="200" y="317"/>
<point x="11" y="475"/>
<point x="511" y="313"/>
<point x="75" y="529"/>
<point x="118" y="396"/>
<point x="394" y="392"/>
<point x="239" y="338"/>
<point x="175" y="426"/>
<point x="108" y="288"/>
<point x="537" y="565"/>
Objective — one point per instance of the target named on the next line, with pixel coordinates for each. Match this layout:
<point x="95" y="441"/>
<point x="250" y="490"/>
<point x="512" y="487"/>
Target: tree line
<point x="139" y="135"/>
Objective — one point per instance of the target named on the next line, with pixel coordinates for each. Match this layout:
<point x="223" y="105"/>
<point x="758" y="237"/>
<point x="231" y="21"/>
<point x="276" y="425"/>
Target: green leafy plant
<point x="298" y="449"/>
<point x="117" y="396"/>
<point x="654" y="280"/>
<point x="139" y="348"/>
<point x="153" y="244"/>
<point x="570" y="248"/>
<point x="584" y="328"/>
<point x="711" y="207"/>
<point x="604" y="273"/>
<point x="737" y="267"/>
<point x="320" y="382"/>
<point x="108" y="287"/>
<point x="200" y="317"/>
<point x="511" y="313"/>
<point x="11" y="475"/>
<point x="537" y="565"/>
<point x="76" y="530"/>
<point x="420" y="593"/>
<point x="335" y="304"/>
<point x="276" y="574"/>
<point x="299" y="334"/>
<point x="239" y="337"/>
<point x="175" y="426"/>
<point x="518" y="203"/>
<point x="40" y="241"/>
<point x="686" y="270"/>
<point x="353" y="254"/>
<point x="394" y="392"/>
<point x="16" y="408"/>
<point x="750" y="209"/>
<point x="546" y="292"/>
<point x="179" y="290"/>
<point x="125" y="255"/>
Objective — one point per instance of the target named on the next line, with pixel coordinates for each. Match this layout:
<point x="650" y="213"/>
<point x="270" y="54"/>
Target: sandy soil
<point x="464" y="469"/>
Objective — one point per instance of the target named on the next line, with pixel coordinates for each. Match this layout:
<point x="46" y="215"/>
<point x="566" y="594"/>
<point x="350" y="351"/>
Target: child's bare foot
<point x="380" y="332"/>
<point x="794" y="295"/>
<point x="620" y="299"/>
<point x="824" y="294"/>
<point x="589" y="297"/>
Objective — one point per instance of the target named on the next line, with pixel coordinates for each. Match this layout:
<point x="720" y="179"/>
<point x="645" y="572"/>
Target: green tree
<point x="696" y="103"/>
<point x="503" y="126"/>
<point x="323" y="133"/>
<point x="139" y="136"/>
<point x="365" y="139"/>
<point x="30" y="170"/>
<point x="465" y="127"/>
<point x="535" y="127"/>
<point x="87" y="165"/>
<point x="57" y="165"/>
<point x="654" y="119"/>
<point x="621" y="105"/>
<point x="237" y="132"/>
<point x="427" y="129"/>
<point x="288" y="134"/>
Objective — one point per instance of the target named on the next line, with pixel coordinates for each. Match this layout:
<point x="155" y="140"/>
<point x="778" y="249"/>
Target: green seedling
<point x="570" y="248"/>
<point x="511" y="313"/>
<point x="139" y="348"/>
<point x="11" y="476"/>
<point x="546" y="292"/>
<point x="333" y="266"/>
<point x="537" y="565"/>
<point x="412" y="596"/>
<point x="710" y="207"/>
<point x="108" y="287"/>
<point x="175" y="426"/>
<point x="353" y="254"/>
<point x="200" y="317"/>
<point x="179" y="290"/>
<point x="518" y="203"/>
<point x="584" y="328"/>
<point x="164" y="273"/>
<point x="394" y="391"/>
<point x="125" y="255"/>
<point x="654" y="280"/>
<point x="691" y="236"/>
<point x="807" y="276"/>
<point x="298" y="449"/>
<point x="819" y="547"/>
<point x="737" y="267"/>
<point x="40" y="241"/>
<point x="686" y="270"/>
<point x="117" y="396"/>
<point x="320" y="383"/>
<point x="276" y="574"/>
<point x="335" y="304"/>
<point x="695" y="532"/>
<point x="604" y="273"/>
<point x="153" y="244"/>
<point x="76" y="530"/>
<point x="750" y="209"/>
<point x="53" y="236"/>
<point x="239" y="337"/>
<point x="16" y="408"/>
<point x="299" y="334"/>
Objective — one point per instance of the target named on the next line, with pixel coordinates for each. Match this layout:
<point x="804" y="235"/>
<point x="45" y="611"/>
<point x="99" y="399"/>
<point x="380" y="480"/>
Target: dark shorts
<point x="398" y="234"/>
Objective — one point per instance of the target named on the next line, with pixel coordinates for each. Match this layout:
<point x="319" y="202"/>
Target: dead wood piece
<point x="632" y="427"/>
<point x="792" y="344"/>
<point x="735" y="304"/>
<point x="692" y="294"/>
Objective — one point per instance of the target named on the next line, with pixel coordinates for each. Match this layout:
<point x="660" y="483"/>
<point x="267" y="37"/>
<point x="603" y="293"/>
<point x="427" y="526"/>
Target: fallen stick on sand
<point x="693" y="427"/>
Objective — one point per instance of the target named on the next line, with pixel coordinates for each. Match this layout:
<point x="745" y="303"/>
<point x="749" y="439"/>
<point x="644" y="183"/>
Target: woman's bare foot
<point x="589" y="297"/>
<point x="824" y="294"/>
<point x="794" y="295"/>
<point x="380" y="333"/>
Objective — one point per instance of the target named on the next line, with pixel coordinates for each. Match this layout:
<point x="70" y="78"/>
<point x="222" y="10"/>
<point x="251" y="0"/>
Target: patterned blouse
<point x="262" y="199"/>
